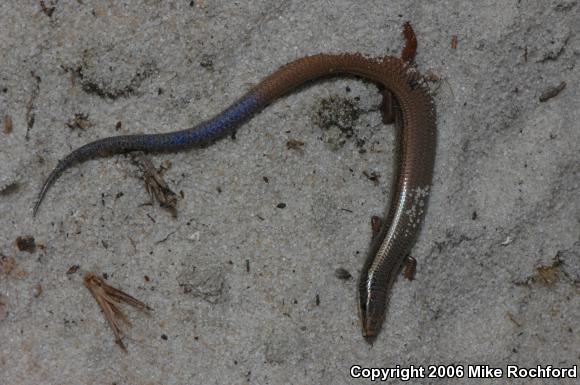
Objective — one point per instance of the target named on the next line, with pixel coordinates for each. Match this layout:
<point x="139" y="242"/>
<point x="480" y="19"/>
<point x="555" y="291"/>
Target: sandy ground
<point x="243" y="281"/>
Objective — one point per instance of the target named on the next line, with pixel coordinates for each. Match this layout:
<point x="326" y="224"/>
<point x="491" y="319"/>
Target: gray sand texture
<point x="242" y="281"/>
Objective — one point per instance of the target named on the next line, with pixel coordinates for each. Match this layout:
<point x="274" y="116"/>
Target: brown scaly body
<point x="416" y="157"/>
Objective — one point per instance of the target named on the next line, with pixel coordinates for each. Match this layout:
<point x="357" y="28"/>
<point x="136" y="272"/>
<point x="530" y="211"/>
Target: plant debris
<point x="3" y="303"/>
<point x="548" y="275"/>
<point x="48" y="11"/>
<point x="154" y="183"/>
<point x="8" y="124"/>
<point x="454" y="42"/>
<point x="80" y="121"/>
<point x="373" y="176"/>
<point x="30" y="105"/>
<point x="293" y="144"/>
<point x="26" y="243"/>
<point x="108" y="298"/>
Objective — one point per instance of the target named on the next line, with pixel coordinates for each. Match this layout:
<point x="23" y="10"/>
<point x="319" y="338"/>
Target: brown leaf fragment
<point x="155" y="184"/>
<point x="26" y="243"/>
<point x="8" y="126"/>
<point x="80" y="122"/>
<point x="293" y="144"/>
<point x="3" y="306"/>
<point x="108" y="298"/>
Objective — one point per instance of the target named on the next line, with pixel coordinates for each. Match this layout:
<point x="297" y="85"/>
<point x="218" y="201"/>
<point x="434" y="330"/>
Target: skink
<point x="416" y="154"/>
